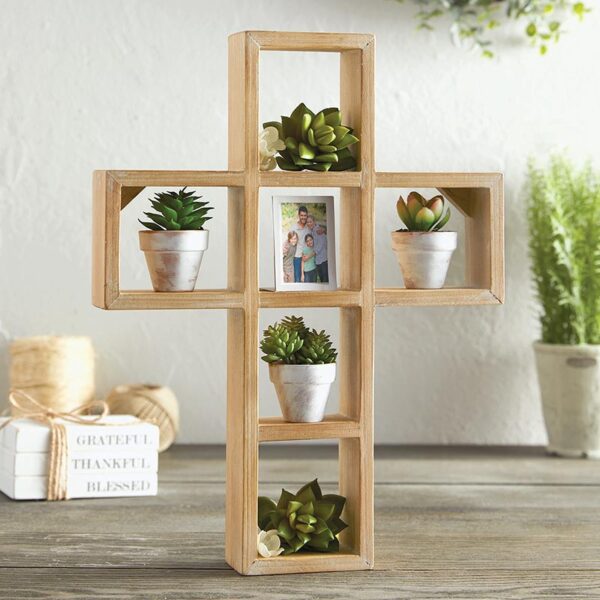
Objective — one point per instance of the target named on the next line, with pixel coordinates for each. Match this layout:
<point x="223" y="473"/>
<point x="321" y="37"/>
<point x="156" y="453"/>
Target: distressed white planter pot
<point x="173" y="258"/>
<point x="302" y="390"/>
<point x="569" y="379"/>
<point x="424" y="256"/>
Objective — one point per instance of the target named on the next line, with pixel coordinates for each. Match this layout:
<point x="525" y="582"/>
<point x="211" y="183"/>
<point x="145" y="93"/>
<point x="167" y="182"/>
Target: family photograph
<point x="303" y="240"/>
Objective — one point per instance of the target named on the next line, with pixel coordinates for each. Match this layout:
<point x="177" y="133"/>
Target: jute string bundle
<point x="148" y="403"/>
<point x="58" y="371"/>
<point x="24" y="404"/>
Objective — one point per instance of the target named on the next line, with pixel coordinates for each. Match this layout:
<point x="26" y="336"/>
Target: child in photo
<point x="289" y="252"/>
<point x="309" y="265"/>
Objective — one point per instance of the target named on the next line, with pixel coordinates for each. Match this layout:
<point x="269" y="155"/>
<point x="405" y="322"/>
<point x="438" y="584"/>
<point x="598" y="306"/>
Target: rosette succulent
<point x="177" y="211"/>
<point x="318" y="142"/>
<point x="306" y="520"/>
<point x="419" y="214"/>
<point x="317" y="349"/>
<point x="291" y="342"/>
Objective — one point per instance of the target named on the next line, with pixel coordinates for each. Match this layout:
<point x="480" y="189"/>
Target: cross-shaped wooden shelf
<point x="478" y="196"/>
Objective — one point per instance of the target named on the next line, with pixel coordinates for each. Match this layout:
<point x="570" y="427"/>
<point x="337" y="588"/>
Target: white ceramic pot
<point x="173" y="258"/>
<point x="569" y="379"/>
<point x="424" y="256"/>
<point x="302" y="390"/>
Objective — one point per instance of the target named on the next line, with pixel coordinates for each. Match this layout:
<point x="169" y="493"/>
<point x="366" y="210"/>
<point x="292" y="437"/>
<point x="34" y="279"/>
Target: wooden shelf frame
<point x="478" y="196"/>
<point x="112" y="192"/>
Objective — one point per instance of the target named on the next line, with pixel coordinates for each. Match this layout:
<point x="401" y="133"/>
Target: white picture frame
<point x="323" y="218"/>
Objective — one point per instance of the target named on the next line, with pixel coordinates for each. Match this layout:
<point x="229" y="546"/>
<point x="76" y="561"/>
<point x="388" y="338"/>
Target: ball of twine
<point x="149" y="403"/>
<point x="58" y="371"/>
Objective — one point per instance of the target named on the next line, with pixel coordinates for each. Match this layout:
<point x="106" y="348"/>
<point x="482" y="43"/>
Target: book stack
<point x="117" y="458"/>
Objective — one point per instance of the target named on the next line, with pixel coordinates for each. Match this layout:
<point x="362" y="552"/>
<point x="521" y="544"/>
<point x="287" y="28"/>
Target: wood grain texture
<point x="198" y="299"/>
<point x="441" y="297"/>
<point x="309" y="41"/>
<point x="310" y="179"/>
<point x="105" y="239"/>
<point x="271" y="429"/>
<point x="192" y="584"/>
<point x="340" y="297"/>
<point x="524" y="525"/>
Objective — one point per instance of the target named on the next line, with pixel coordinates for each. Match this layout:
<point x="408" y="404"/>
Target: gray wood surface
<point x="450" y="523"/>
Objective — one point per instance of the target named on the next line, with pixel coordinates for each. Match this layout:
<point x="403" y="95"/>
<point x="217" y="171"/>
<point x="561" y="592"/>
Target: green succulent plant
<point x="291" y="342"/>
<point x="280" y="344"/>
<point x="293" y="323"/>
<point x="419" y="214"/>
<point x="306" y="520"/>
<point x="318" y="142"/>
<point x="177" y="211"/>
<point x="317" y="349"/>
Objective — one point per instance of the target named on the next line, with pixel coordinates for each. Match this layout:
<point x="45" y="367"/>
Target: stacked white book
<point x="117" y="458"/>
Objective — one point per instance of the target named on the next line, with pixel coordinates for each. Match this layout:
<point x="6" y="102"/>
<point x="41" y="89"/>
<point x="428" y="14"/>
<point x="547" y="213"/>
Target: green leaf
<point x="265" y="507"/>
<point x="424" y="219"/>
<point x="152" y="226"/>
<point x="347" y="140"/>
<point x="285" y="531"/>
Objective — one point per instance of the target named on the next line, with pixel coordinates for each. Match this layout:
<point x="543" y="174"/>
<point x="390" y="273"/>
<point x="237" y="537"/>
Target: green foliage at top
<point x="419" y="214"/>
<point x="564" y="242"/>
<point x="542" y="20"/>
<point x="317" y="142"/>
<point x="177" y="211"/>
<point x="306" y="520"/>
<point x="291" y="342"/>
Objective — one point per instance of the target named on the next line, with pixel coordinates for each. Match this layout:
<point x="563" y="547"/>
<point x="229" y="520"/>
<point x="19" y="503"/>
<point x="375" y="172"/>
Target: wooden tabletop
<point x="461" y="523"/>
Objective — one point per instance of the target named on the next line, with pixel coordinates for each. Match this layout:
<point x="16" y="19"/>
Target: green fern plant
<point x="177" y="211"/>
<point x="564" y="243"/>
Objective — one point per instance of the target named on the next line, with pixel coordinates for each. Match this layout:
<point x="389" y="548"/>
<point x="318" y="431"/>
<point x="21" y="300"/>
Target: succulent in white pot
<point x="175" y="240"/>
<point x="302" y="367"/>
<point x="564" y="243"/>
<point x="422" y="250"/>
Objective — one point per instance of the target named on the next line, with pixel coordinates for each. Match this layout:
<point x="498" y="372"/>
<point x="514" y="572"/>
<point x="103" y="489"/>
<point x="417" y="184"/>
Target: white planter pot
<point x="569" y="379"/>
<point x="173" y="258"/>
<point x="302" y="390"/>
<point x="424" y="256"/>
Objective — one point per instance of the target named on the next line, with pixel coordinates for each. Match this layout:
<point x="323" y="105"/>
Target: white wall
<point x="142" y="84"/>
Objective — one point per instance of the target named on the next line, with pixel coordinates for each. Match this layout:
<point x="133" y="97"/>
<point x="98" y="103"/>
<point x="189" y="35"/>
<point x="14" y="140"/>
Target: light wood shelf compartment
<point x="478" y="197"/>
<point x="356" y="297"/>
<point x="113" y="190"/>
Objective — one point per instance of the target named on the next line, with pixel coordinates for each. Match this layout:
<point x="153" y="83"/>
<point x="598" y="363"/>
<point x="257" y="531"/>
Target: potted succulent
<point x="305" y="140"/>
<point x="422" y="250"/>
<point x="564" y="243"/>
<point x="302" y="365"/>
<point x="175" y="241"/>
<point x="307" y="520"/>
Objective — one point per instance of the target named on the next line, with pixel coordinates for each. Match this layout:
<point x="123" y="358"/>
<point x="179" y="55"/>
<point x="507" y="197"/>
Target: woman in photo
<point x="309" y="264"/>
<point x="289" y="251"/>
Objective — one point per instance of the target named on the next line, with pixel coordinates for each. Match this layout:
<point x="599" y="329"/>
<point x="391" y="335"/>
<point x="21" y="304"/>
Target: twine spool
<point x="57" y="370"/>
<point x="149" y="403"/>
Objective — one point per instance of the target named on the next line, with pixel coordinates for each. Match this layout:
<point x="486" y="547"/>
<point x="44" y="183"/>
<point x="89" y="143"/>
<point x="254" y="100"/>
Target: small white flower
<point x="268" y="146"/>
<point x="269" y="544"/>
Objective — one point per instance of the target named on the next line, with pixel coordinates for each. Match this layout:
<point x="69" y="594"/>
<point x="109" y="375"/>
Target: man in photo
<point x="301" y="229"/>
<point x="320" y="247"/>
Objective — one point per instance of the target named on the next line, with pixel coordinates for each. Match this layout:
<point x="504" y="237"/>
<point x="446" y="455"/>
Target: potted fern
<point x="301" y="367"/>
<point x="422" y="250"/>
<point x="175" y="241"/>
<point x="564" y="243"/>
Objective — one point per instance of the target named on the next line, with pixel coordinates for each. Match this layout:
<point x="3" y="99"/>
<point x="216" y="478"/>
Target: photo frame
<point x="304" y="236"/>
